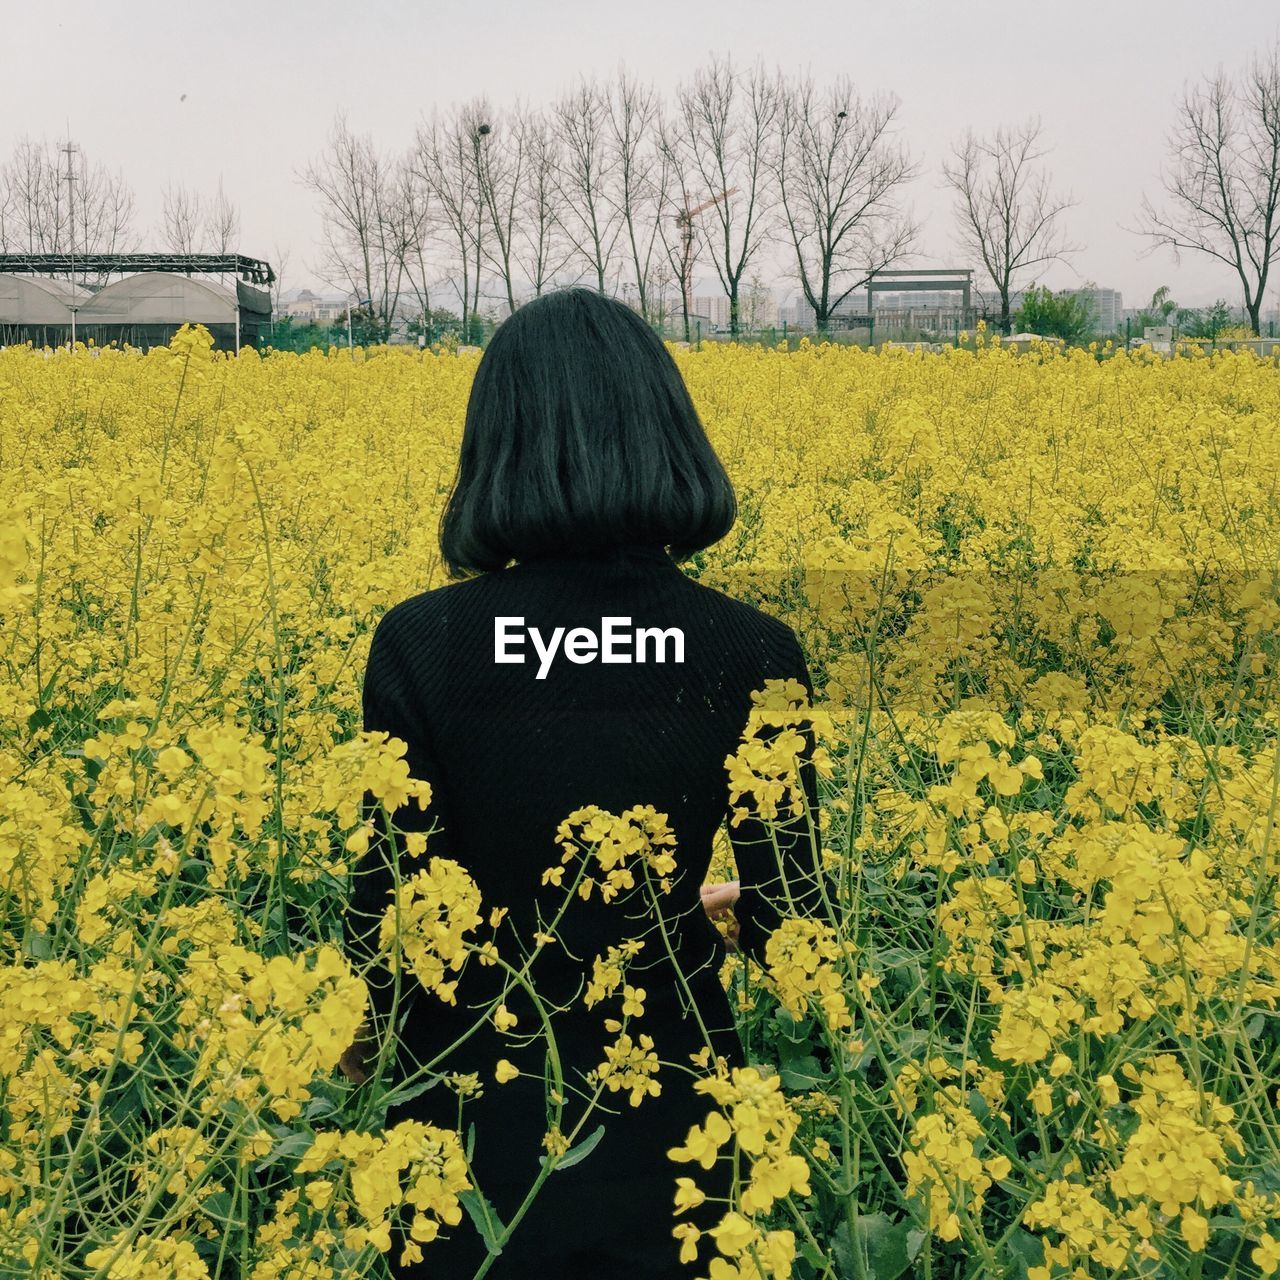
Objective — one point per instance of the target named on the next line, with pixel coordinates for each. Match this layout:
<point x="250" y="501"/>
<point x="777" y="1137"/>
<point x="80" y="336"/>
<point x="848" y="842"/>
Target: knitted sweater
<point x="605" y="678"/>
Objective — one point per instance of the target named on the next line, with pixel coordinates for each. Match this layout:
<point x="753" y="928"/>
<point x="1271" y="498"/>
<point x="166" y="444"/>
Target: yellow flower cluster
<point x="147" y="1258"/>
<point x="801" y="957"/>
<point x="412" y="1165"/>
<point x="943" y="1162"/>
<point x="608" y="971"/>
<point x="1171" y="1168"/>
<point x="755" y="1116"/>
<point x="429" y="920"/>
<point x="765" y="765"/>
<point x="611" y="844"/>
<point x="266" y="1028"/>
<point x="629" y="1064"/>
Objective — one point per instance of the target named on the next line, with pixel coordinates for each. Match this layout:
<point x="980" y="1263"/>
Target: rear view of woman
<point x="573" y="663"/>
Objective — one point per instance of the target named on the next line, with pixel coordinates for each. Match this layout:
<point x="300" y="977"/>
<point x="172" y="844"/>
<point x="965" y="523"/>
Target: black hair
<point x="580" y="434"/>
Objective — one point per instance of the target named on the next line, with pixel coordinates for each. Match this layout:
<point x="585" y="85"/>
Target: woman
<point x="591" y="671"/>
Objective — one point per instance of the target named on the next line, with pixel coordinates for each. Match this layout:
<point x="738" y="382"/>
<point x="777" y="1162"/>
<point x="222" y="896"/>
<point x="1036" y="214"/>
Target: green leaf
<point x="293" y="1144"/>
<point x="1025" y="1251"/>
<point x="812" y="1254"/>
<point x="802" y="1073"/>
<point x="794" y="1029"/>
<point x="394" y="1097"/>
<point x="318" y="1108"/>
<point x="874" y="1247"/>
<point x="39" y="945"/>
<point x="218" y="1207"/>
<point x="580" y="1152"/>
<point x="490" y="1227"/>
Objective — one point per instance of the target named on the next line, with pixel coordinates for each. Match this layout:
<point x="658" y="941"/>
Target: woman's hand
<point x="717" y="902"/>
<point x="358" y="1055"/>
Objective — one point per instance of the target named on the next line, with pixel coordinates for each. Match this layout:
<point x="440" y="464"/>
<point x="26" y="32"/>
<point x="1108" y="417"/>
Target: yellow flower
<point x="1195" y="1230"/>
<point x="1267" y="1254"/>
<point x="688" y="1195"/>
<point x="688" y="1236"/>
<point x="733" y="1234"/>
<point x="704" y="1141"/>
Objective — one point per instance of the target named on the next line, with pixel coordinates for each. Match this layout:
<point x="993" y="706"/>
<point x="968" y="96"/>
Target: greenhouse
<point x="146" y="310"/>
<point x="37" y="309"/>
<point x="144" y="307"/>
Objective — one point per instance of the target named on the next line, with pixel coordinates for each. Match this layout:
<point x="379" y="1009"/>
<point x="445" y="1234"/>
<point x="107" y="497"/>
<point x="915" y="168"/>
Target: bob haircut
<point x="580" y="435"/>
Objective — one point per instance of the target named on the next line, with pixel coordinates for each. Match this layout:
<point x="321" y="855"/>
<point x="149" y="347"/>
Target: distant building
<point x="715" y="307"/>
<point x="1105" y="307"/>
<point x="309" y="308"/>
<point x="789" y="314"/>
<point x="147" y="309"/>
<point x="755" y="311"/>
<point x="801" y="315"/>
<point x="758" y="310"/>
<point x="303" y="307"/>
<point x="936" y="311"/>
<point x="38" y="309"/>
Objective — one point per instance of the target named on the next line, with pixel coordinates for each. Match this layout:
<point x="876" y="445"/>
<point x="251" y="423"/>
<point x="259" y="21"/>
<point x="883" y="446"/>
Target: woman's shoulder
<point x="411" y="622"/>
<point x="757" y="630"/>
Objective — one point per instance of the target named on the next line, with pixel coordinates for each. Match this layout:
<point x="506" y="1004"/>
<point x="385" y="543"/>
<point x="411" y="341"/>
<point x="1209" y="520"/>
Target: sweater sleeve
<point x="776" y="883"/>
<point x="386" y="707"/>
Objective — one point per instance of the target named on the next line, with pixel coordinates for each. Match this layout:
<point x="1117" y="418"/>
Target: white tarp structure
<point x="38" y="300"/>
<point x="141" y="309"/>
<point x="159" y="297"/>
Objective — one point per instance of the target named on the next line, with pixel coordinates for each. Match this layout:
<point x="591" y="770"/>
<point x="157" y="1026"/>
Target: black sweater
<point x="510" y="750"/>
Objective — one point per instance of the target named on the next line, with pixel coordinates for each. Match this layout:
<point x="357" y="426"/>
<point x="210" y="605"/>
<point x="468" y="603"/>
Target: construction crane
<point x="684" y="220"/>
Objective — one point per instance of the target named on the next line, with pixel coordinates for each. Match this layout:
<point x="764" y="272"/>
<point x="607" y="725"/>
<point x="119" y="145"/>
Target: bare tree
<point x="727" y="126"/>
<point x="676" y="201"/>
<point x="182" y="213"/>
<point x="445" y="156"/>
<point x="641" y="166"/>
<point x="837" y="177"/>
<point x="755" y="301"/>
<point x="416" y="211"/>
<point x="396" y="226"/>
<point x="1006" y="215"/>
<point x="8" y="223"/>
<point x="587" y="174"/>
<point x="105" y="216"/>
<point x="221" y="224"/>
<point x="53" y="200"/>
<point x="280" y="255"/>
<point x="545" y="251"/>
<point x="360" y="191"/>
<point x="37" y="198"/>
<point x="662" y="281"/>
<point x="1225" y="182"/>
<point x="500" y="161"/>
<point x="102" y="208"/>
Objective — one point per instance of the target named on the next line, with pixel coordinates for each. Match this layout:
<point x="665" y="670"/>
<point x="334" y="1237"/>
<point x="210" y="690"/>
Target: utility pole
<point x="71" y="223"/>
<point x="360" y="302"/>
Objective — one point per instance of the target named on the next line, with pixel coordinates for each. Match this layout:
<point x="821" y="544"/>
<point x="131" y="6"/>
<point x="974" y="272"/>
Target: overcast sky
<point x="262" y="82"/>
